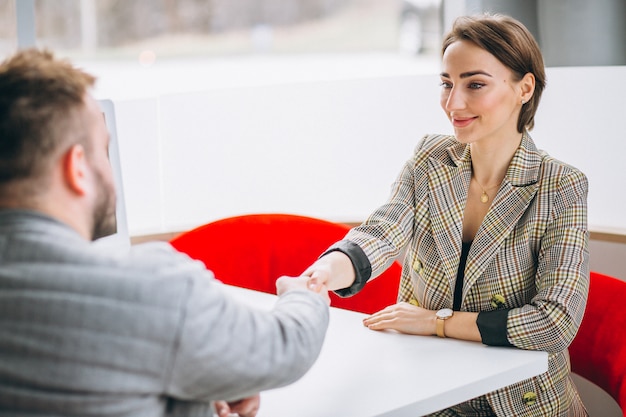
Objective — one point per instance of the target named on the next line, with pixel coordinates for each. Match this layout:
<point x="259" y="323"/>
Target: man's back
<point x="144" y="333"/>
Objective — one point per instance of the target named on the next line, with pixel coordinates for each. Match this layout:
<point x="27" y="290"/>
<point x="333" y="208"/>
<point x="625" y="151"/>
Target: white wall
<point x="582" y="120"/>
<point x="328" y="149"/>
<point x="331" y="149"/>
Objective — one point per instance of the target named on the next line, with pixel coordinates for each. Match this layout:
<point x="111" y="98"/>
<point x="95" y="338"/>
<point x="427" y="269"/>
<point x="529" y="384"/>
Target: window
<point x="206" y="43"/>
<point x="8" y="34"/>
<point x="121" y="29"/>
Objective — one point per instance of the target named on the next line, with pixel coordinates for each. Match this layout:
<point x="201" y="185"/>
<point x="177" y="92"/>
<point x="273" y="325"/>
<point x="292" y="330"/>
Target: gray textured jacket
<point x="147" y="332"/>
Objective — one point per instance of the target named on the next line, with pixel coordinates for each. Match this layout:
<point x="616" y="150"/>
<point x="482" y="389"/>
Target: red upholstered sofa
<point x="598" y="352"/>
<point x="252" y="251"/>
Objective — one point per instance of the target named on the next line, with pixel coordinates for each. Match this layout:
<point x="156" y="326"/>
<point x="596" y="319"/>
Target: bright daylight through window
<point x="274" y="39"/>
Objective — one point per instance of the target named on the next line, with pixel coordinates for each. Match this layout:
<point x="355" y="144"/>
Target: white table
<point x="364" y="373"/>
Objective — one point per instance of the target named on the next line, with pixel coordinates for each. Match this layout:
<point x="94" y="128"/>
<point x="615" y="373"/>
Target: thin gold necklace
<point x="484" y="197"/>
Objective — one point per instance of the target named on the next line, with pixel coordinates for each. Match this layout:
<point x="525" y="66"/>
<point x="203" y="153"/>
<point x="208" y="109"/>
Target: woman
<point x="495" y="230"/>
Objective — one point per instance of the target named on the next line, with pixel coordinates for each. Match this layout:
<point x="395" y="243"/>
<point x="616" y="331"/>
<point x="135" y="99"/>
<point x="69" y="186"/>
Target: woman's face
<point x="479" y="94"/>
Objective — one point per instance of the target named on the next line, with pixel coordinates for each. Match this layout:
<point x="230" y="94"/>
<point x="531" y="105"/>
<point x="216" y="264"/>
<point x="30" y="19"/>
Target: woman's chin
<point x="462" y="136"/>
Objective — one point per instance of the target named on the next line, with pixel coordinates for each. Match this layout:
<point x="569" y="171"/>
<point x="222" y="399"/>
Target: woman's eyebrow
<point x="467" y="74"/>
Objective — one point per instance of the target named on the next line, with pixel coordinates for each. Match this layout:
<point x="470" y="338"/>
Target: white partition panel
<point x="327" y="149"/>
<point x="581" y="121"/>
<point x="331" y="149"/>
<point x="139" y="137"/>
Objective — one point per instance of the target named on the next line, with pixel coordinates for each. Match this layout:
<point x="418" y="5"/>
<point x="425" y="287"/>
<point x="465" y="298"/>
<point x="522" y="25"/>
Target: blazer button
<point x="530" y="398"/>
<point x="417" y="266"/>
<point x="497" y="301"/>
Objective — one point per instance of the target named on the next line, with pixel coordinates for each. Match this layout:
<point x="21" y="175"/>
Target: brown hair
<point x="41" y="99"/>
<point x="513" y="45"/>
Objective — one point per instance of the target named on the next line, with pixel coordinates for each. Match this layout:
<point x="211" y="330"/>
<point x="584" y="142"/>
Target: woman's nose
<point x="454" y="100"/>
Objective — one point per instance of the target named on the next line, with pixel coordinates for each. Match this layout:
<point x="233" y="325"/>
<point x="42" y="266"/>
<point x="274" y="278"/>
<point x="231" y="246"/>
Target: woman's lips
<point x="463" y="122"/>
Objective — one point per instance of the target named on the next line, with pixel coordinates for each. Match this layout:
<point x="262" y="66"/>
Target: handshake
<point x="303" y="282"/>
<point x="330" y="272"/>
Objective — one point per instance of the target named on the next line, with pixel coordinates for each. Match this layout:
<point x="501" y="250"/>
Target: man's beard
<point x="104" y="219"/>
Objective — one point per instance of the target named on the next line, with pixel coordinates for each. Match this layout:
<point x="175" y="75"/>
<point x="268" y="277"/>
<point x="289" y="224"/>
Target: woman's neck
<point x="491" y="161"/>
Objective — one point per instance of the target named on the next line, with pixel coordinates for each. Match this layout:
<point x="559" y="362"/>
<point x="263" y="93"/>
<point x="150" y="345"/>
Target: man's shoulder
<point x="151" y="273"/>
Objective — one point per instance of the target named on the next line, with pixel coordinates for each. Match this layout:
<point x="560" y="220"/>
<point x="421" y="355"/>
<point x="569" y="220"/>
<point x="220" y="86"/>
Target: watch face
<point x="444" y="313"/>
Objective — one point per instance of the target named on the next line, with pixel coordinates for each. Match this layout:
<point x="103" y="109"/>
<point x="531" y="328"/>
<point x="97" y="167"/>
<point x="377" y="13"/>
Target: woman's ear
<point x="75" y="169"/>
<point x="527" y="87"/>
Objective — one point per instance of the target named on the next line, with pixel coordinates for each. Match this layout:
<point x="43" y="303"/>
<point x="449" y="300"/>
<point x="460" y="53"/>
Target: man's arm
<point x="228" y="351"/>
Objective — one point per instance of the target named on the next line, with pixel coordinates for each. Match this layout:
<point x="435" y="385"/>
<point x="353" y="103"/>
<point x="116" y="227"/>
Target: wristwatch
<point x="443" y="315"/>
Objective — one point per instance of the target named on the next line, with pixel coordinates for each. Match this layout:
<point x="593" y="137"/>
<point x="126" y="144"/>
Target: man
<point x="147" y="332"/>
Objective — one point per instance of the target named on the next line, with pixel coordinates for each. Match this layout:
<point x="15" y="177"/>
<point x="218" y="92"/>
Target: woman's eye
<point x="476" y="86"/>
<point x="445" y="84"/>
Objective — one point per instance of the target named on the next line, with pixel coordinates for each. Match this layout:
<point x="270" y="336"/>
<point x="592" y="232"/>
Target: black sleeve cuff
<point x="492" y="327"/>
<point x="362" y="266"/>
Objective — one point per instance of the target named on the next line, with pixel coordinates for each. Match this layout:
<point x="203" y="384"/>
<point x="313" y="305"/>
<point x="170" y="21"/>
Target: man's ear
<point x="75" y="169"/>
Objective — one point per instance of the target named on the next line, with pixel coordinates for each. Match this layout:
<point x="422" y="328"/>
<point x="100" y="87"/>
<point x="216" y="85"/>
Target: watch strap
<point x="441" y="327"/>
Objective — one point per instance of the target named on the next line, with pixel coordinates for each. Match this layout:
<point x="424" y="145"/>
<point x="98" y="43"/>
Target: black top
<point x="460" y="275"/>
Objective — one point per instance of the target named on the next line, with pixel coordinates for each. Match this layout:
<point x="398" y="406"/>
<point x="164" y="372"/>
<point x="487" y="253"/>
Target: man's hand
<point x="284" y="284"/>
<point x="246" y="407"/>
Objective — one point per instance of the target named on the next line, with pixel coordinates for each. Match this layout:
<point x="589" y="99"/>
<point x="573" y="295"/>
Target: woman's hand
<point x="334" y="270"/>
<point x="410" y="319"/>
<point x="404" y="318"/>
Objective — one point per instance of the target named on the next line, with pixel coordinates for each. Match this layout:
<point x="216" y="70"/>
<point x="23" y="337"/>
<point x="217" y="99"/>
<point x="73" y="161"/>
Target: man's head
<point x="54" y="143"/>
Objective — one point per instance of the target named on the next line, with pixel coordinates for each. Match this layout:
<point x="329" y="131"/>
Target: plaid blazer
<point x="530" y="256"/>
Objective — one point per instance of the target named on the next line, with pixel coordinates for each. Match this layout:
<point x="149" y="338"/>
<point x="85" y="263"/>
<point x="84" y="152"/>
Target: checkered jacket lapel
<point x="517" y="191"/>
<point x="448" y="191"/>
<point x="448" y="185"/>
